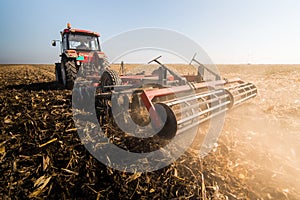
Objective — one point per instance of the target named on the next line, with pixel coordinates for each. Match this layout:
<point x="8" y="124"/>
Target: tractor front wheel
<point x="68" y="73"/>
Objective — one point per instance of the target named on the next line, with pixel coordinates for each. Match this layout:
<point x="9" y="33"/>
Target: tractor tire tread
<point x="71" y="73"/>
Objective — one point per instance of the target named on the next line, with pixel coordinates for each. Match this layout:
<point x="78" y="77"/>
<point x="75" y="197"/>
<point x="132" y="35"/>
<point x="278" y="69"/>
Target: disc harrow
<point x="173" y="104"/>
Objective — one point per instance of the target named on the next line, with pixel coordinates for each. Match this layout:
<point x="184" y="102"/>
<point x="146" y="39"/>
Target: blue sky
<point x="230" y="31"/>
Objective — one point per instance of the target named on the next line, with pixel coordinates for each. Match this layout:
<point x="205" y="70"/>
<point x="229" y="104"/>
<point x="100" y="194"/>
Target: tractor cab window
<point x="83" y="42"/>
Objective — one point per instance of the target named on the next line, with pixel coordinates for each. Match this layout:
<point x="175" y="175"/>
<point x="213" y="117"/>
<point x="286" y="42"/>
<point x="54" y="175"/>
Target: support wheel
<point x="169" y="129"/>
<point x="109" y="78"/>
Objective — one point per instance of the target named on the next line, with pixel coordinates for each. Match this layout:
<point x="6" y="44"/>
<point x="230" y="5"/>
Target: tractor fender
<point x="70" y="54"/>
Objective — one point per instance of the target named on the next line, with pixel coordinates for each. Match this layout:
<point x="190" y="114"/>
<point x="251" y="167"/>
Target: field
<point x="257" y="156"/>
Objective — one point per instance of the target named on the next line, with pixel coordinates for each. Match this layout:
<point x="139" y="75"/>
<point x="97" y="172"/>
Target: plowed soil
<point x="257" y="156"/>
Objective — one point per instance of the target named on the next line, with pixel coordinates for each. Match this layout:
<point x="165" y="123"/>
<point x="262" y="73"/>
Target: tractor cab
<point x="79" y="40"/>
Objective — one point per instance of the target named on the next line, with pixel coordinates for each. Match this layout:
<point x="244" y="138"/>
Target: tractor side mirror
<point x="53" y="43"/>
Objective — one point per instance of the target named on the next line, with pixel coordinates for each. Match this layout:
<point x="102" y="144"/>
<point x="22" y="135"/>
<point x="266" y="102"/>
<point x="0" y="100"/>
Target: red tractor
<point x="76" y="47"/>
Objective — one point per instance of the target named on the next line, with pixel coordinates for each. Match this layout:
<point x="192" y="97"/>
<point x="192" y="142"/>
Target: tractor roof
<point x="73" y="30"/>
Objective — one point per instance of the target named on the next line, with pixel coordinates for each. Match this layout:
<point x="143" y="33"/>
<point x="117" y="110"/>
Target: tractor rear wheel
<point x="58" y="73"/>
<point x="68" y="73"/>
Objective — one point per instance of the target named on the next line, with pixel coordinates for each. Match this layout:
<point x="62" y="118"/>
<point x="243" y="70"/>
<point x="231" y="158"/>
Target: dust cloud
<point x="262" y="136"/>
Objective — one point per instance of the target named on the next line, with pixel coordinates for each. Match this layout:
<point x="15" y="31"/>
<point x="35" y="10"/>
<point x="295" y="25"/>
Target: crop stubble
<point x="42" y="156"/>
